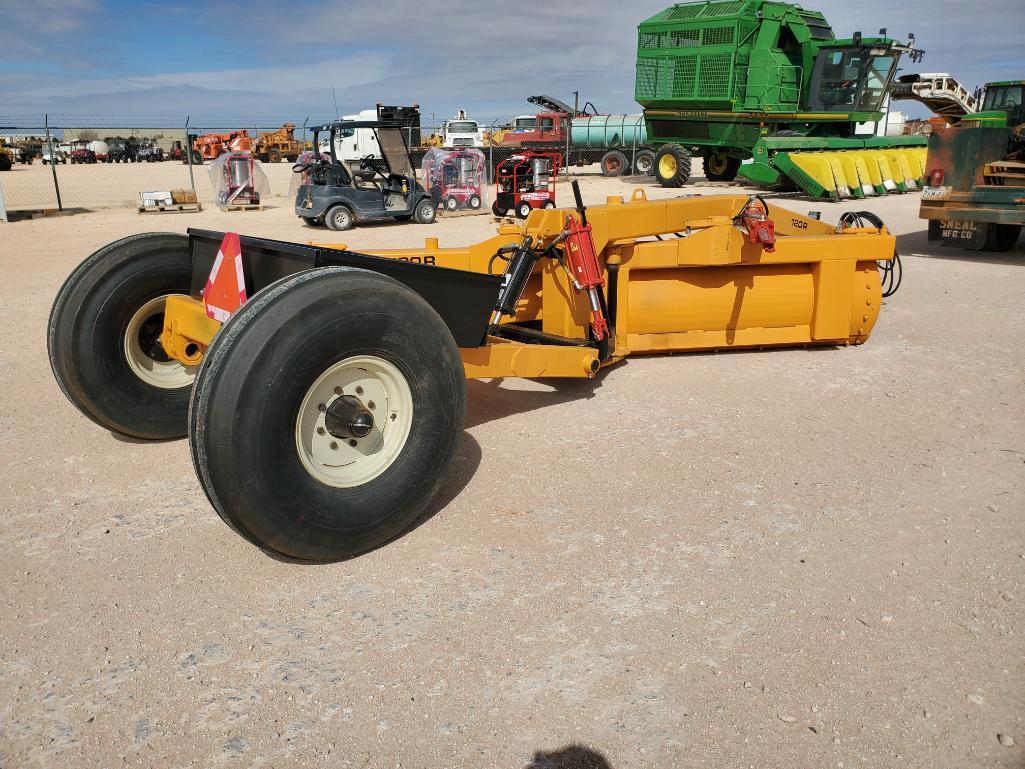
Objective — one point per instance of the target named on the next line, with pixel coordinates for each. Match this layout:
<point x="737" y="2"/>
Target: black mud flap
<point x="463" y="299"/>
<point x="959" y="233"/>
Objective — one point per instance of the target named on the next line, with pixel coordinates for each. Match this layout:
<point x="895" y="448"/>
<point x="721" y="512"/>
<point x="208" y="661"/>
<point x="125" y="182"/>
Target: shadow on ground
<point x="487" y="401"/>
<point x="569" y="757"/>
<point x="917" y="244"/>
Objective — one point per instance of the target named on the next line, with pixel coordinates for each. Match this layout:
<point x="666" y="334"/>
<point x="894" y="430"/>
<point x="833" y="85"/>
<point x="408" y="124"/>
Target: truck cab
<point x="354" y="142"/>
<point x="1003" y="105"/>
<point x="542" y="128"/>
<point x="462" y="132"/>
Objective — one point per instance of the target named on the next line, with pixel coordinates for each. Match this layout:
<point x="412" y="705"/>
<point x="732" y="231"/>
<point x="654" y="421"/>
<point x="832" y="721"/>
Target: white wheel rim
<point x="384" y="391"/>
<point x="167" y="375"/>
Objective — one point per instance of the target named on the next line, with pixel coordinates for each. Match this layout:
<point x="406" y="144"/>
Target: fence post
<point x="3" y="206"/>
<point x="491" y="153"/>
<point x="188" y="155"/>
<point x="53" y="161"/>
<point x="569" y="130"/>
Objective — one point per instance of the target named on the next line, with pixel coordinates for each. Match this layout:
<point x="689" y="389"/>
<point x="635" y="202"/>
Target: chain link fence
<point x="72" y="162"/>
<point x="98" y="163"/>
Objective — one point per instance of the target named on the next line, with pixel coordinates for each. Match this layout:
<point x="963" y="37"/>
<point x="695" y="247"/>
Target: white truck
<point x="354" y="144"/>
<point x="461" y="132"/>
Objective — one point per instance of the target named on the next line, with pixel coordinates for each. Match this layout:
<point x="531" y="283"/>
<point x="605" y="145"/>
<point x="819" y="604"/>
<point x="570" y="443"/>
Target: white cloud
<point x="485" y="55"/>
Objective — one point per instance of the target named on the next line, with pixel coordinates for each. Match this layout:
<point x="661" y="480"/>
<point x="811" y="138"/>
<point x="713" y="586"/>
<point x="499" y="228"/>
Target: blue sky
<point x="90" y="61"/>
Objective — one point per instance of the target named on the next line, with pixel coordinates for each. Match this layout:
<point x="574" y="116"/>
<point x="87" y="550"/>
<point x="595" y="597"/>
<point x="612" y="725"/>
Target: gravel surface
<point x="800" y="558"/>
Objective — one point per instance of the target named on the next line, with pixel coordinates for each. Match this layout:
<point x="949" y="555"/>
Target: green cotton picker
<point x="751" y="80"/>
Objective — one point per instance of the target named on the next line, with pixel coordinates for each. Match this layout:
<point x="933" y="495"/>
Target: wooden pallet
<point x="1004" y="173"/>
<point x="175" y="208"/>
<point x="243" y="207"/>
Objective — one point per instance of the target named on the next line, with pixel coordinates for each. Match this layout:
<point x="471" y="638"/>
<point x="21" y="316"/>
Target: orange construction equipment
<point x="210" y="146"/>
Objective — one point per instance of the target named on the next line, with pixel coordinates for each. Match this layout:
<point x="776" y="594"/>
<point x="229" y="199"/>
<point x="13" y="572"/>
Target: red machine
<point x="524" y="182"/>
<point x="455" y="179"/>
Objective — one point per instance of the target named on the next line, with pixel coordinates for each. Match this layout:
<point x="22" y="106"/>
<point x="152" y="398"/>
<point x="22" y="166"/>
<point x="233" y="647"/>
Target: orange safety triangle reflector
<point x="225" y="289"/>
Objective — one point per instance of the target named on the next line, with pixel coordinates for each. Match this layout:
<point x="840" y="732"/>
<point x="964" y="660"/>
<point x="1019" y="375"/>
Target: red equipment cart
<point x="455" y="178"/>
<point x="524" y="182"/>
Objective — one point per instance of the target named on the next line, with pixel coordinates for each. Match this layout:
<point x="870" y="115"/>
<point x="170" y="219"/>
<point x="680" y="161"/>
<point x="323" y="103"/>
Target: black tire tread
<point x="66" y="379"/>
<point x="212" y="372"/>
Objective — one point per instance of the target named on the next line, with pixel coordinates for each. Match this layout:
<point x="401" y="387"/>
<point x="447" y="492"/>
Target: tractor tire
<point x="197" y="158"/>
<point x="720" y="167"/>
<point x="473" y="202"/>
<point x="425" y="212"/>
<point x="644" y="163"/>
<point x="523" y="210"/>
<point x="339" y="218"/>
<point x="103" y="337"/>
<point x="614" y="163"/>
<point x="278" y="463"/>
<point x="274" y="156"/>
<point x="672" y="165"/>
<point x="499" y="212"/>
<point x="1001" y="237"/>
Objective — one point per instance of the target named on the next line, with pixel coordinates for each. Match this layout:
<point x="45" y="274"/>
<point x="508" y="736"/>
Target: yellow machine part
<point x="704" y="286"/>
<point x="863" y="173"/>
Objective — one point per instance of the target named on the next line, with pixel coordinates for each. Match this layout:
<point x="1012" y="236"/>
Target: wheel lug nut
<point x="338" y="391"/>
<point x="334" y="444"/>
<point x="359" y="390"/>
<point x="352" y="443"/>
<point x="321" y="407"/>
<point x="321" y="431"/>
<point x="393" y="417"/>
<point x="371" y="405"/>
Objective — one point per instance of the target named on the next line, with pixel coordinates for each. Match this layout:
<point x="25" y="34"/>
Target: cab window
<point x="851" y="80"/>
<point x="1003" y="97"/>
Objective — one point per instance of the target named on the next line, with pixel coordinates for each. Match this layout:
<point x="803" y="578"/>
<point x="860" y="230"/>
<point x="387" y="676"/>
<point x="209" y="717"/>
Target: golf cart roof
<point x="337" y="124"/>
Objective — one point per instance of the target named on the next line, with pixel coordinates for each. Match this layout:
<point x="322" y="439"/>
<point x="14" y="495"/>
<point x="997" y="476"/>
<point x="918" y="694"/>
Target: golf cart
<point x="330" y="194"/>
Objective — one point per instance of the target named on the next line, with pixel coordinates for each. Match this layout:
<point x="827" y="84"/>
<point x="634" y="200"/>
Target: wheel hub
<point x="354" y="421"/>
<point x="347" y="417"/>
<point x="145" y="353"/>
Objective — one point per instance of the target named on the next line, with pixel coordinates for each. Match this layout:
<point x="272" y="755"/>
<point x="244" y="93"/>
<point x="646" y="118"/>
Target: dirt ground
<point x="790" y="558"/>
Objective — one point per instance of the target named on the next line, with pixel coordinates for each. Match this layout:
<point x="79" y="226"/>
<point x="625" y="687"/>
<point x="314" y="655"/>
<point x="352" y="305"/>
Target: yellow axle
<point x="681" y="274"/>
